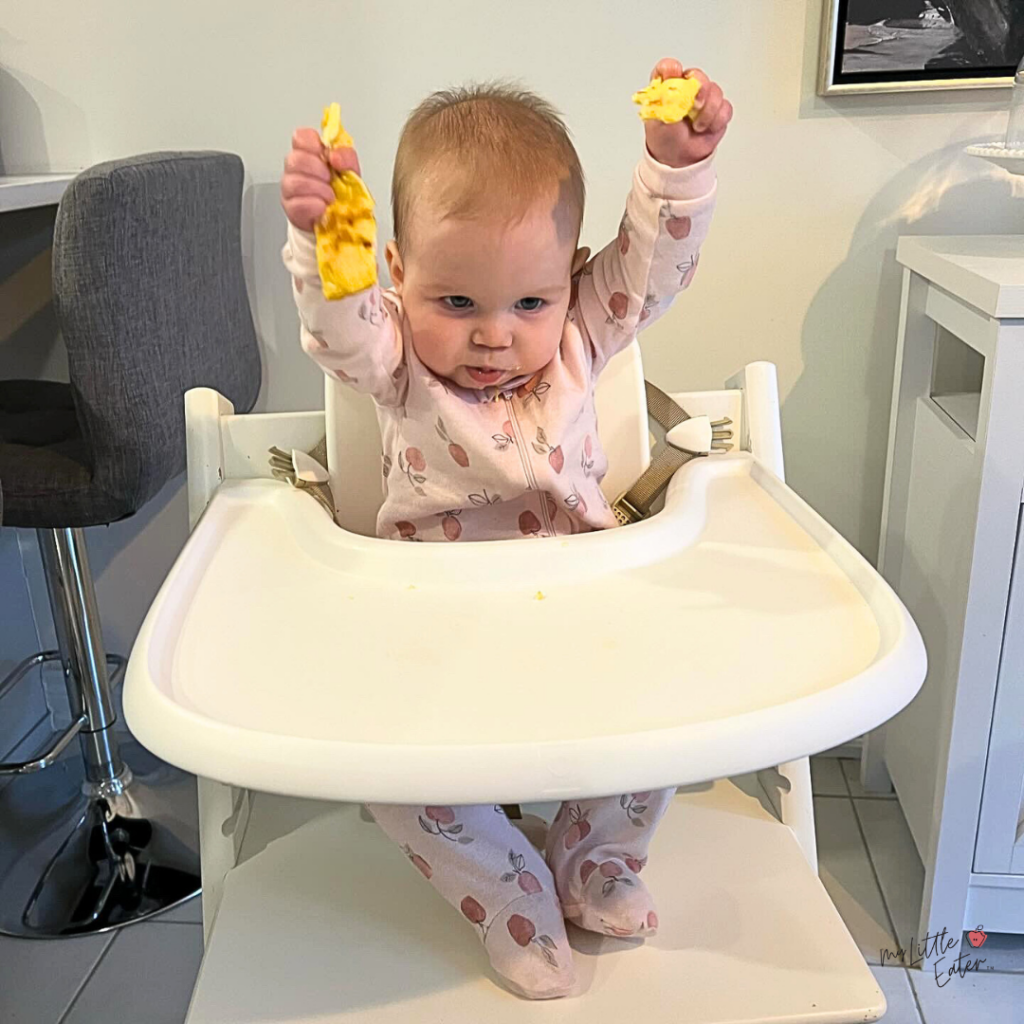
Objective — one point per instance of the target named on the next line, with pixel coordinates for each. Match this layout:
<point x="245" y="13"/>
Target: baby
<point x="482" y="359"/>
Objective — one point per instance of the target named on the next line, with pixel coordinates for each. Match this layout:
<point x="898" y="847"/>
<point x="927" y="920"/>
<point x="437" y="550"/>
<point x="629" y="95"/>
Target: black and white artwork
<point x="889" y="45"/>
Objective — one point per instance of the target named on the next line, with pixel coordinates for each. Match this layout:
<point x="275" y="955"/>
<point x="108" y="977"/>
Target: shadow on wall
<point x="25" y="147"/>
<point x="836" y="415"/>
<point x="944" y="193"/>
<point x="19" y="118"/>
<point x="248" y="245"/>
<point x="291" y="381"/>
<point x="30" y="343"/>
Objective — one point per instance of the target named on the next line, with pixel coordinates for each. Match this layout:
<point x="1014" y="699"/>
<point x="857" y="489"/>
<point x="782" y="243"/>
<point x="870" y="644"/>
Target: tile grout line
<point x="846" y="782"/>
<point x="88" y="977"/>
<point x="874" y="872"/>
<point x="885" y="902"/>
<point x="881" y="891"/>
<point x="913" y="992"/>
<point x="867" y="852"/>
<point x="849" y="794"/>
<point x="106" y="950"/>
<point x="864" y="795"/>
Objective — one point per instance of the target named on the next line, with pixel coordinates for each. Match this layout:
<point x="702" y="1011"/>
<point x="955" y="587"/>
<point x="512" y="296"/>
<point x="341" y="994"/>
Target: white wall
<point x="799" y="268"/>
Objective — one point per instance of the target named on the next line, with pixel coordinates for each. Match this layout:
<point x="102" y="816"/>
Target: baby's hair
<point x="491" y="146"/>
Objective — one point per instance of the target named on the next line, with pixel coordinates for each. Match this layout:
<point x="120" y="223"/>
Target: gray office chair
<point x="151" y="301"/>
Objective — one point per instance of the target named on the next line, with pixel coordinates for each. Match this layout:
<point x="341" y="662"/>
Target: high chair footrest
<point x="331" y="923"/>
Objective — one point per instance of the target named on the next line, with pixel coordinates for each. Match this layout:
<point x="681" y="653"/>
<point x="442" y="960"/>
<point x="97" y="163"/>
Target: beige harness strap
<point x="283" y="467"/>
<point x="636" y="503"/>
<point x="633" y="506"/>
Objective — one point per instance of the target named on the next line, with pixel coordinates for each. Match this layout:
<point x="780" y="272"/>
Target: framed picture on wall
<point x="895" y="45"/>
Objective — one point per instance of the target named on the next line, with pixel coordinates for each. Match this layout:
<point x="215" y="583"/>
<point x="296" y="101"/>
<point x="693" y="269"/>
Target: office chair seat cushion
<point x="45" y="468"/>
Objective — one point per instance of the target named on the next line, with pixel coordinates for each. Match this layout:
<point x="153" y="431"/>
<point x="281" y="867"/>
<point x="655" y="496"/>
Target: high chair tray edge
<point x="734" y="630"/>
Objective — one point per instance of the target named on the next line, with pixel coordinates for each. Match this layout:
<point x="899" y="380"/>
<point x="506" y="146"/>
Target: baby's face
<point x="486" y="301"/>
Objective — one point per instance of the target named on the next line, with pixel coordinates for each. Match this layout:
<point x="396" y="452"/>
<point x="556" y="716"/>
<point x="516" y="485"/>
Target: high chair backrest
<point x="354" y="448"/>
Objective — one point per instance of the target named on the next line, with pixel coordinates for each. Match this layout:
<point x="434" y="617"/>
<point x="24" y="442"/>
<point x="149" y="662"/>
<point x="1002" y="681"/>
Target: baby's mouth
<point x="484" y="375"/>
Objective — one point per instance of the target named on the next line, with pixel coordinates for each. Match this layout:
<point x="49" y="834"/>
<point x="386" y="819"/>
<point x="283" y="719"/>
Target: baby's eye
<point x="531" y="304"/>
<point x="457" y="301"/>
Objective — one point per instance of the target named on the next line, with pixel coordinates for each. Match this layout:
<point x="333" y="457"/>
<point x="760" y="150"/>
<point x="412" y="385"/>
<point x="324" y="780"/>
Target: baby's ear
<point x="581" y="257"/>
<point x="395" y="268"/>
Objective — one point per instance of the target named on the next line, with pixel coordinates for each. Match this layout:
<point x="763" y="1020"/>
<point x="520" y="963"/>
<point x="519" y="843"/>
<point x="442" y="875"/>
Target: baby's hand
<point x="306" y="184"/>
<point x="689" y="141"/>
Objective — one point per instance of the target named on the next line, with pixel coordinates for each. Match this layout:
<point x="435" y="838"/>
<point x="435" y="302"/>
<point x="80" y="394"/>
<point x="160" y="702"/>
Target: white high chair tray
<point x="734" y="630"/>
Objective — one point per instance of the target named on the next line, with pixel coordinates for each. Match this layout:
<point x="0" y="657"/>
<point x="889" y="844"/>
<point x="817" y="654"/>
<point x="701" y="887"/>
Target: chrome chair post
<point x="80" y="639"/>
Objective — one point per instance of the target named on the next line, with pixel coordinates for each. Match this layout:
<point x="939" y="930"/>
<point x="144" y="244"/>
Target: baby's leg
<point x="485" y="867"/>
<point x="597" y="849"/>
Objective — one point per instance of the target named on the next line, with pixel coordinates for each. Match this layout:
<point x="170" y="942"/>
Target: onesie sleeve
<point x="356" y="339"/>
<point x="634" y="278"/>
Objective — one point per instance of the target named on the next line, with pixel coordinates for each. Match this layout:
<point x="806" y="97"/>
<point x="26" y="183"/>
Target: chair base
<point x="77" y="859"/>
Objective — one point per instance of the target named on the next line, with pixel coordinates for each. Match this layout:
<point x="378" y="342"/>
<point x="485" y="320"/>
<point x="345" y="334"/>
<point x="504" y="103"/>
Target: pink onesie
<point x="522" y="460"/>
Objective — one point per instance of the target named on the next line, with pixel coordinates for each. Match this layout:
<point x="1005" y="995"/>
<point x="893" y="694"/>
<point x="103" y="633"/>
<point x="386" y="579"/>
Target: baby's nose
<point x="491" y="336"/>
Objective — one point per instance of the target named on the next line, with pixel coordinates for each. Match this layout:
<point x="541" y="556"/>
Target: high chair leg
<point x="794" y="803"/>
<point x="762" y="436"/>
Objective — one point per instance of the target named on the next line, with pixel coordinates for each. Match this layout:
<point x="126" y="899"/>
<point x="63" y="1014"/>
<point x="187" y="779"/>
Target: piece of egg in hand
<point x="346" y="237"/>
<point x="668" y="100"/>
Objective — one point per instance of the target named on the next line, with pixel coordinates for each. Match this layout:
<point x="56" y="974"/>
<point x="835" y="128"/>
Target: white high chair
<point x="733" y="630"/>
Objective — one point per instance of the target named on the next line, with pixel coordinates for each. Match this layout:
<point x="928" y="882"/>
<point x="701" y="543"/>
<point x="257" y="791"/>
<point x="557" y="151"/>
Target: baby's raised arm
<point x="353" y="337"/>
<point x="634" y="278"/>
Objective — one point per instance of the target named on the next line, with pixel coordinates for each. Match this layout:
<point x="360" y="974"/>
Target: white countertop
<point x="985" y="270"/>
<point x="22" y="191"/>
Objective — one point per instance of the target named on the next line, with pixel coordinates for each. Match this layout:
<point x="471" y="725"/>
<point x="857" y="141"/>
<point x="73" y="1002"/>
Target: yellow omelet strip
<point x="346" y="237"/>
<point x="670" y="100"/>
<point x="332" y="135"/>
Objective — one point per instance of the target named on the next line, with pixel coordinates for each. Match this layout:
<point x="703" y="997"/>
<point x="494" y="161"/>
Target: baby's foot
<point x="596" y="850"/>
<point x="526" y="942"/>
<point x="484" y="866"/>
<point x="610" y="898"/>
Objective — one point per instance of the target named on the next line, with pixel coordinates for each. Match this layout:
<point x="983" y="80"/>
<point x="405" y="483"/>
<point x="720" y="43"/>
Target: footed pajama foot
<point x="485" y="868"/>
<point x="596" y="850"/>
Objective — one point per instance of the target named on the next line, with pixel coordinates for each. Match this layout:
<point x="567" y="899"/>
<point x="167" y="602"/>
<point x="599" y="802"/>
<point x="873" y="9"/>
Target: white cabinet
<point x="1001" y="829"/>
<point x="951" y="548"/>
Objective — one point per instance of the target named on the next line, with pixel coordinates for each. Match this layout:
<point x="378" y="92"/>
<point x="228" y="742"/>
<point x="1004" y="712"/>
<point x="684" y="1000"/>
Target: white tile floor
<point x="144" y="974"/>
<point x="871" y="869"/>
